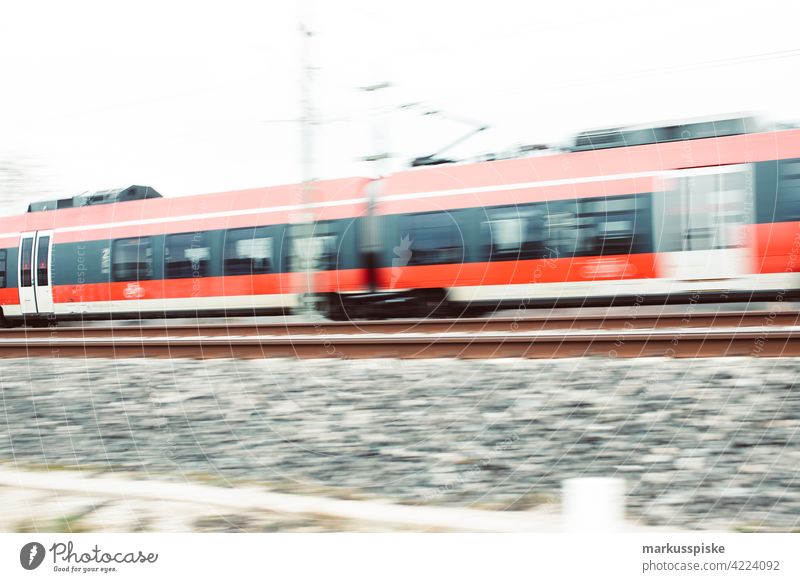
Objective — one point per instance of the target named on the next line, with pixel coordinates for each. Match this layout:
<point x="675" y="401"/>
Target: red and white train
<point x="688" y="212"/>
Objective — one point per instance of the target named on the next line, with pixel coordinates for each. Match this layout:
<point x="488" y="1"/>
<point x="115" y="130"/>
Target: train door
<point x="35" y="285"/>
<point x="701" y="223"/>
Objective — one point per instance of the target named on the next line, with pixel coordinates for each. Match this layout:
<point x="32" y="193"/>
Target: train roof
<point x="666" y="131"/>
<point x="274" y="204"/>
<point x="345" y="197"/>
<point x="700" y="128"/>
<point x="562" y="175"/>
<point x="129" y="194"/>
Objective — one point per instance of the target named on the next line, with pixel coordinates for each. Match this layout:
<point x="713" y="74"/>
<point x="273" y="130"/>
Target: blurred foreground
<point x="702" y="443"/>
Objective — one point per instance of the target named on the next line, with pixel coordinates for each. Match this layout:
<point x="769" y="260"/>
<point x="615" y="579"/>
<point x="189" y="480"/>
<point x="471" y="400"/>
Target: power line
<point x="742" y="59"/>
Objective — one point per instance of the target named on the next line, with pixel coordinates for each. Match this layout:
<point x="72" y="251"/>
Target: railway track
<point x="527" y="323"/>
<point x="753" y="333"/>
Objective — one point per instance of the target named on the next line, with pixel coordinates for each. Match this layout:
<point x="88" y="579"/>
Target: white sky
<point x="192" y="97"/>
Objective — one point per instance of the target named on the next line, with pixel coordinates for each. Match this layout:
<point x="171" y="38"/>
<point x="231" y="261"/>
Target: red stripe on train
<point x="776" y="247"/>
<point x="9" y="296"/>
<point x="270" y="284"/>
<point x="638" y="266"/>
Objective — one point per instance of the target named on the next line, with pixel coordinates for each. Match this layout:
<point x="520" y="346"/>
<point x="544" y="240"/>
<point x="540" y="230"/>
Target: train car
<point x="131" y="253"/>
<point x="699" y="211"/>
<point x="702" y="211"/>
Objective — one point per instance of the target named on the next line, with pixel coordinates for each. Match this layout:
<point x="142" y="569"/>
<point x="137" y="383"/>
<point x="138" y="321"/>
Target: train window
<point x="316" y="252"/>
<point x="434" y="238"/>
<point x="3" y="263"/>
<point x="514" y="233"/>
<point x="700" y="196"/>
<point x="608" y="226"/>
<point x="505" y="236"/>
<point x="562" y="228"/>
<point x="703" y="212"/>
<point x="732" y="209"/>
<point x="26" y="278"/>
<point x="248" y="251"/>
<point x="132" y="259"/>
<point x="788" y="203"/>
<point x="712" y="209"/>
<point x="42" y="259"/>
<point x="187" y="255"/>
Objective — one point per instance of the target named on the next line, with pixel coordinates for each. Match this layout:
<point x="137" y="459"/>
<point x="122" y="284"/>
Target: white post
<point x="593" y="504"/>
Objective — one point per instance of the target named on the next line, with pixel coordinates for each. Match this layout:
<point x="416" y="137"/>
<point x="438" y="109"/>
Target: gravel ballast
<point x="702" y="443"/>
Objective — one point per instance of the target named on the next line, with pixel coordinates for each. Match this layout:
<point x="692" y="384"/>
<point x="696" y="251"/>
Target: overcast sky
<point x="192" y="97"/>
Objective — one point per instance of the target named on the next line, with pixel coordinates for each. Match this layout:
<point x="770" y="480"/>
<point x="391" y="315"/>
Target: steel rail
<point x="763" y="341"/>
<point x="525" y="323"/>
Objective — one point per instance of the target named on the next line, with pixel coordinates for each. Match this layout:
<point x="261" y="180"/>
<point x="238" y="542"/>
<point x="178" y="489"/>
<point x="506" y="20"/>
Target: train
<point x="683" y="212"/>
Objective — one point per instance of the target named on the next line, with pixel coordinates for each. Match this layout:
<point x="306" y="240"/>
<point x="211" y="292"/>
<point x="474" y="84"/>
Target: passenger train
<point x="697" y="211"/>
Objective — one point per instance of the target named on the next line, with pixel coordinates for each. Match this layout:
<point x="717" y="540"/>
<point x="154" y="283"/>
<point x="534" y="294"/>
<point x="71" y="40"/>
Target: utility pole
<point x="379" y="148"/>
<point x="380" y="153"/>
<point x="307" y="220"/>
